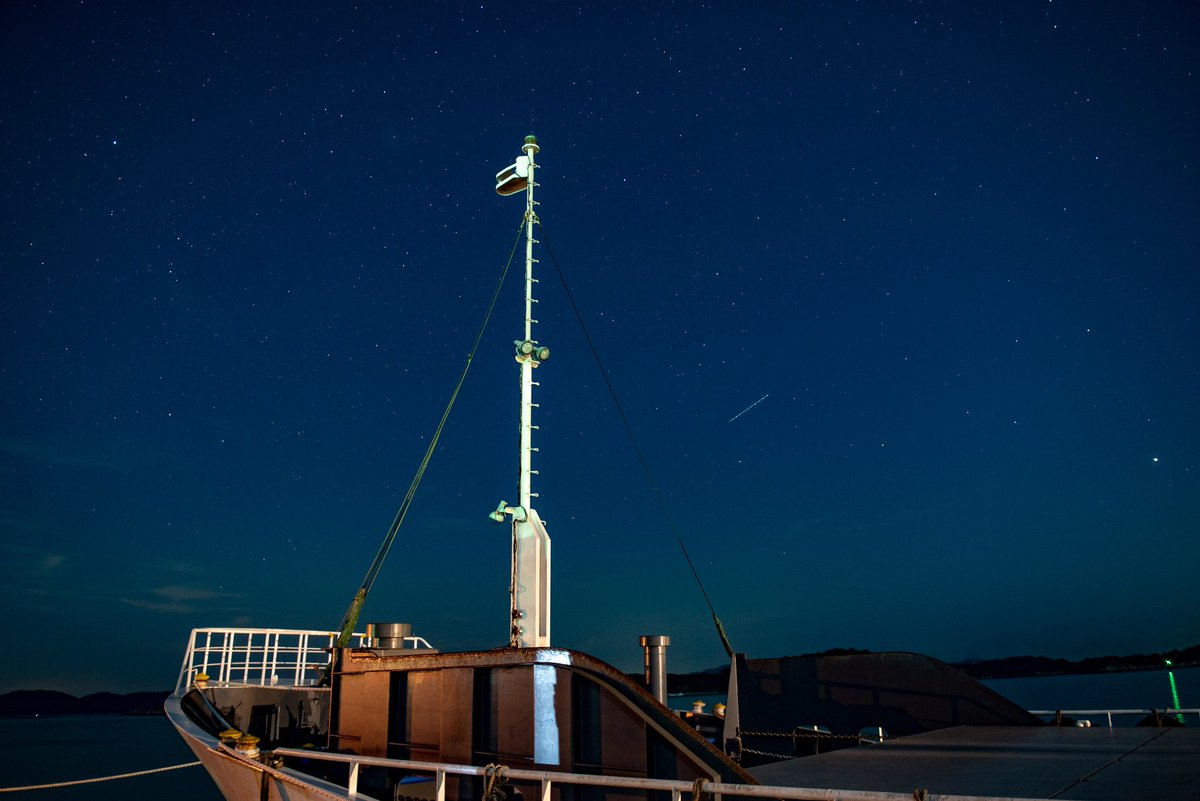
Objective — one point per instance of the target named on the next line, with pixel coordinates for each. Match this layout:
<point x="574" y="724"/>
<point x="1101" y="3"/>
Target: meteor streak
<point x="748" y="408"/>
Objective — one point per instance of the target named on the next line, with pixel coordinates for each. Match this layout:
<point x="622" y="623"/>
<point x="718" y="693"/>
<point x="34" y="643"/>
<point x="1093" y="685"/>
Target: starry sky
<point x="951" y="247"/>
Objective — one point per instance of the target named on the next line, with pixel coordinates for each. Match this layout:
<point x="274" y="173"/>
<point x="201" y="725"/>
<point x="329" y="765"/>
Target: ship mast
<point x="529" y="613"/>
<point x="524" y="353"/>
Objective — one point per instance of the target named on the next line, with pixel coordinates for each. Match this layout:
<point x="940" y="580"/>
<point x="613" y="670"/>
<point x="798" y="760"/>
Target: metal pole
<point x="530" y="588"/>
<point x="525" y="489"/>
<point x="655" y="651"/>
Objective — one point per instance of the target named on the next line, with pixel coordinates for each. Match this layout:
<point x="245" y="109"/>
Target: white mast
<point x="530" y="588"/>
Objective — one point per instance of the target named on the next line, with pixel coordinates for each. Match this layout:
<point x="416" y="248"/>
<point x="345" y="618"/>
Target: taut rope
<point x="98" y="779"/>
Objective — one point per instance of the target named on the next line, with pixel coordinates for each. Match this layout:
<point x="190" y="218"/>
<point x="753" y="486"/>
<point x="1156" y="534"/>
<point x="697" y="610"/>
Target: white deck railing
<point x="263" y="657"/>
<point x="545" y="779"/>
<point x="1109" y="713"/>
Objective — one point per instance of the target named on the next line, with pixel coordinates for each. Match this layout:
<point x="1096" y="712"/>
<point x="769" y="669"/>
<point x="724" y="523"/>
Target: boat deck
<point x="1014" y="762"/>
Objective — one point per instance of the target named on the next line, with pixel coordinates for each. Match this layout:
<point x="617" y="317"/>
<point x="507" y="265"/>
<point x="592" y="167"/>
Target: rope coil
<point x="496" y="777"/>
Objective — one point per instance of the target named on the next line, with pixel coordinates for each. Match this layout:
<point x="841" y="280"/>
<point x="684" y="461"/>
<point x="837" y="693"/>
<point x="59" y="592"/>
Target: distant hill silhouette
<point x="1019" y="666"/>
<point x="716" y="680"/>
<point x="27" y="703"/>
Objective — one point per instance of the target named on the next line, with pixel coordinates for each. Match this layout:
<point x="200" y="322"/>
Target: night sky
<point x="951" y="246"/>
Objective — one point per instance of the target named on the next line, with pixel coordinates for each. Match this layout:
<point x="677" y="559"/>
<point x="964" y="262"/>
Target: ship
<point x="301" y="715"/>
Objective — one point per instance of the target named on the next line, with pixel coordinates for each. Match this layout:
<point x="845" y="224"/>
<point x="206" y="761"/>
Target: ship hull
<point x="240" y="778"/>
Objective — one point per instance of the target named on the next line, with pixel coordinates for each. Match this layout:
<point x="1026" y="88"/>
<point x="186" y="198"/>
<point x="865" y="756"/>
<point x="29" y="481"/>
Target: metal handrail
<point x="263" y="657"/>
<point x="1110" y="712"/>
<point x="546" y="778"/>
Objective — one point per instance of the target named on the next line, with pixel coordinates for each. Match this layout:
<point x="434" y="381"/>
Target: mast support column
<point x="530" y="588"/>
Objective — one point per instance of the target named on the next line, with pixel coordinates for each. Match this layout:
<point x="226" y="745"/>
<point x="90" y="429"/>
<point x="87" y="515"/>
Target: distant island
<point x="31" y="703"/>
<point x="1011" y="667"/>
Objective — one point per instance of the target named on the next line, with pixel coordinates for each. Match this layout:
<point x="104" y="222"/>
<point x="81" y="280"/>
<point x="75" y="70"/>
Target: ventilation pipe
<point x="654" y="647"/>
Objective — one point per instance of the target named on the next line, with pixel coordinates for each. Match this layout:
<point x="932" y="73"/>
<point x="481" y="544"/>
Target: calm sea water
<point x="55" y="749"/>
<point x="64" y="748"/>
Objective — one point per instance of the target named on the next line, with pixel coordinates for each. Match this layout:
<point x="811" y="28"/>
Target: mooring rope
<point x="98" y="779"/>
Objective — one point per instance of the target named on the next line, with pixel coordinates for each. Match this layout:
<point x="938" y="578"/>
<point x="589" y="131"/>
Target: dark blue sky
<point x="245" y="250"/>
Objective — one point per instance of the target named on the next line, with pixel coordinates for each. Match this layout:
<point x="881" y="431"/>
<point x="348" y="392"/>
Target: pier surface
<point x="1096" y="764"/>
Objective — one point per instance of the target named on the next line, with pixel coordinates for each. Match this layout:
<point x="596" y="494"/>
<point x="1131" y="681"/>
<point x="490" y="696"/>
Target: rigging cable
<point x="637" y="449"/>
<point x="350" y="620"/>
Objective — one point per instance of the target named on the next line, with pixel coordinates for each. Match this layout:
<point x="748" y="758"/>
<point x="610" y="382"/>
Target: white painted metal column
<point x="530" y="588"/>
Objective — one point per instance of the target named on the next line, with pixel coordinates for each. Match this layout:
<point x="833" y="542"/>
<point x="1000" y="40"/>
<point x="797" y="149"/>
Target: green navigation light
<point x="1174" y="692"/>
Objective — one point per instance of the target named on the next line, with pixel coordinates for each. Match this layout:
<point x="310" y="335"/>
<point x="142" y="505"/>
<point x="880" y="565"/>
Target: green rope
<point x="633" y="440"/>
<point x="350" y="620"/>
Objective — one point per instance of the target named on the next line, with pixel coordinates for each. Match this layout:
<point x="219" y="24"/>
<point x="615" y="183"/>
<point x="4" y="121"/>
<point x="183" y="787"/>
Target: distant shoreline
<point x="1101" y="672"/>
<point x="1010" y="667"/>
<point x="34" y="703"/>
<point x="1014" y="667"/>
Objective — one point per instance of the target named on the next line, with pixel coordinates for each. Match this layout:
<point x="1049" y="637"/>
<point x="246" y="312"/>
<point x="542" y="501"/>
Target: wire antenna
<point x="545" y="240"/>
